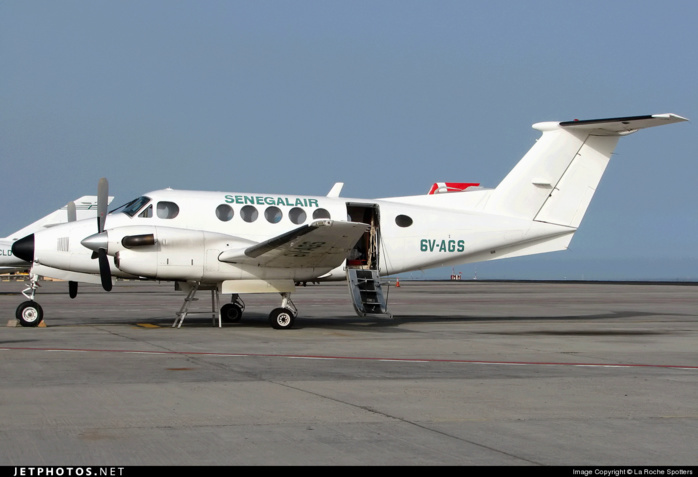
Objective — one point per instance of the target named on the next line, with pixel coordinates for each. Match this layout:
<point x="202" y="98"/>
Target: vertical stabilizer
<point x="568" y="200"/>
<point x="555" y="181"/>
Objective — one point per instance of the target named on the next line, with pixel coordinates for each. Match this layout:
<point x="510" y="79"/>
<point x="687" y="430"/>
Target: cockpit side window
<point x="147" y="212"/>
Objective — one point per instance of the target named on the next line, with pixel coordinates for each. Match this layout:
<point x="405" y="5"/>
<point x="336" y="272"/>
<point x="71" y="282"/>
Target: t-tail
<point x="555" y="181"/>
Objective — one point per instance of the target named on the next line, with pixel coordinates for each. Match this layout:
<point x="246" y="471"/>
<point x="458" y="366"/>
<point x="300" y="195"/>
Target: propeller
<point x="99" y="242"/>
<point x="72" y="217"/>
<point x="102" y="203"/>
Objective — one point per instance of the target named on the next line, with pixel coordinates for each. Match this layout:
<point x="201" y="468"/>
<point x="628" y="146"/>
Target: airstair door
<point x="363" y="274"/>
<point x="365" y="254"/>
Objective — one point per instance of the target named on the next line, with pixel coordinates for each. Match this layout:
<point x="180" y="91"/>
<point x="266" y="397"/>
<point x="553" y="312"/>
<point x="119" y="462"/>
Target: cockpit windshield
<point x="131" y="208"/>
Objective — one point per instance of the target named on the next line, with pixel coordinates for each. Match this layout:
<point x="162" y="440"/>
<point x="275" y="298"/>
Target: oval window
<point x="273" y="214"/>
<point x="321" y="214"/>
<point x="224" y="212"/>
<point x="403" y="221"/>
<point x="249" y="213"/>
<point x="297" y="215"/>
<point x="167" y="210"/>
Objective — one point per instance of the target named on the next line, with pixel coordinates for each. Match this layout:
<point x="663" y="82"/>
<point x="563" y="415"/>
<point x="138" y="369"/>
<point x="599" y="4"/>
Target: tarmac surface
<point x="464" y="374"/>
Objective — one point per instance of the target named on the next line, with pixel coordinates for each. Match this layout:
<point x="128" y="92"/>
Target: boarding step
<point x="366" y="292"/>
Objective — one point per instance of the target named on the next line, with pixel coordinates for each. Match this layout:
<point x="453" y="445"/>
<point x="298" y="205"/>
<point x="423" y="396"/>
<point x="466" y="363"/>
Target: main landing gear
<point x="284" y="317"/>
<point x="232" y="312"/>
<point x="29" y="313"/>
<point x="281" y="318"/>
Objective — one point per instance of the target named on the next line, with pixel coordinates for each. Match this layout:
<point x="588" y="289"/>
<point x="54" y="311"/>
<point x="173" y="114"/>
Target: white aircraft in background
<point x="235" y="243"/>
<point x="78" y="209"/>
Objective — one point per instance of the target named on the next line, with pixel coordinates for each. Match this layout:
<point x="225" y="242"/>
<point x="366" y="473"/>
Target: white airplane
<point x="235" y="243"/>
<point x="78" y="209"/>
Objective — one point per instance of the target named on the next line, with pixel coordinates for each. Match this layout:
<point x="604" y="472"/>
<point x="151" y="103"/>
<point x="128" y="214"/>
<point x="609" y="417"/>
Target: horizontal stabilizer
<point x="622" y="125"/>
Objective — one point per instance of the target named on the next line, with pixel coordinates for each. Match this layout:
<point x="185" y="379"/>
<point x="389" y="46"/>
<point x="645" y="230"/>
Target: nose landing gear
<point x="29" y="313"/>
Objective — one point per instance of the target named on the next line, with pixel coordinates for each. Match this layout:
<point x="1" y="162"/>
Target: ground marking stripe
<point x="359" y="358"/>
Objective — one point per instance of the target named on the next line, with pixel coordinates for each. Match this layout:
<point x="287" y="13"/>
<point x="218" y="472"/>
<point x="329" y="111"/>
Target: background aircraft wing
<point x="321" y="244"/>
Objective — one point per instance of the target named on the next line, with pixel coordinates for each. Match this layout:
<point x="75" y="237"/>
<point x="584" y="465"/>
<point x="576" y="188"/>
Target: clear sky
<point x="385" y="96"/>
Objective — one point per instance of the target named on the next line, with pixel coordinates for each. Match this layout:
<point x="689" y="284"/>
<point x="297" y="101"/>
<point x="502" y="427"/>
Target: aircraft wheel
<point x="281" y="318"/>
<point x="29" y="313"/>
<point x="231" y="313"/>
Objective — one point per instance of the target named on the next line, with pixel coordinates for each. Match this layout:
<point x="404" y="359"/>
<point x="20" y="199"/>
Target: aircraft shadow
<point x="351" y="322"/>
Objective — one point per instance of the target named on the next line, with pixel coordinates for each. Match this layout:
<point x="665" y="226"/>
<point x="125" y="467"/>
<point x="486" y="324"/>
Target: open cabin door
<point x="366" y="251"/>
<point x="362" y="264"/>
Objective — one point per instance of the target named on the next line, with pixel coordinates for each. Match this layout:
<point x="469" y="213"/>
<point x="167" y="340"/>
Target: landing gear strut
<point x="29" y="313"/>
<point x="284" y="317"/>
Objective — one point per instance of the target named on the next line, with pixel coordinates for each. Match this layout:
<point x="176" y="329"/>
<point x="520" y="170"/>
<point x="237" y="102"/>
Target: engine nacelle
<point x="139" y="263"/>
<point x="168" y="253"/>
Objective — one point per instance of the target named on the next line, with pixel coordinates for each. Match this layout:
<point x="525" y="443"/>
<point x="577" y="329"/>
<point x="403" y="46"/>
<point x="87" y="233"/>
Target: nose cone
<point x="24" y="248"/>
<point x="96" y="241"/>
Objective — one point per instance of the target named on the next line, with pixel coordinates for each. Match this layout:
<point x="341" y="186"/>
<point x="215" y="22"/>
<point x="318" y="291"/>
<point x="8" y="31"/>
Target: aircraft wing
<point x="321" y="244"/>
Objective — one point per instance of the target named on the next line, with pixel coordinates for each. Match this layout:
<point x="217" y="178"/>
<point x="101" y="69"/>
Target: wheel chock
<point x="15" y="324"/>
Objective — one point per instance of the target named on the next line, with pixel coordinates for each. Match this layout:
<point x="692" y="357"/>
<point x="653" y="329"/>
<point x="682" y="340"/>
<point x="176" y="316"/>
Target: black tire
<point x="281" y="318"/>
<point x="29" y="313"/>
<point x="231" y="313"/>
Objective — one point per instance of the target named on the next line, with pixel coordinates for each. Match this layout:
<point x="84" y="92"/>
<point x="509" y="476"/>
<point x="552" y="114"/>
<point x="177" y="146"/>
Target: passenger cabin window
<point x="321" y="214"/>
<point x="297" y="215"/>
<point x="224" y="212"/>
<point x="167" y="210"/>
<point x="403" y="221"/>
<point x="249" y="213"/>
<point x="273" y="214"/>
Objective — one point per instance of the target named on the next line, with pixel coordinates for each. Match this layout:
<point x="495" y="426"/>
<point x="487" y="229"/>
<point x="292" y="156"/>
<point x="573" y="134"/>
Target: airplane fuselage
<point x="191" y="229"/>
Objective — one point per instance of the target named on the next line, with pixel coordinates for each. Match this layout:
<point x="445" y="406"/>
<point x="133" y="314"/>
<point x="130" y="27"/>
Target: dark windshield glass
<point x="131" y="208"/>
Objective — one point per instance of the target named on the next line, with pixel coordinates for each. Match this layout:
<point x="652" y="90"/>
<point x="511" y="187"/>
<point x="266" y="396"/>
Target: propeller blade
<point x="102" y="203"/>
<point x="72" y="214"/>
<point x="72" y="217"/>
<point x="104" y="270"/>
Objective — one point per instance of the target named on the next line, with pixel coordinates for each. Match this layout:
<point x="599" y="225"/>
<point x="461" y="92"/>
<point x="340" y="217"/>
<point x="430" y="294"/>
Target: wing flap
<point x="321" y="244"/>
